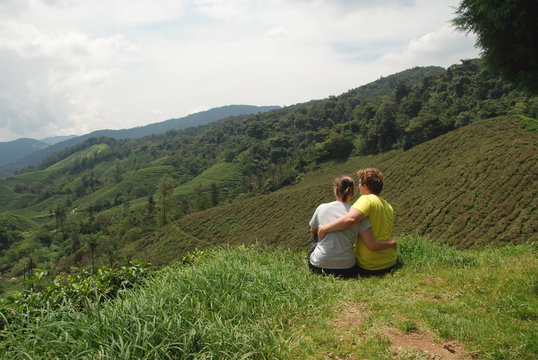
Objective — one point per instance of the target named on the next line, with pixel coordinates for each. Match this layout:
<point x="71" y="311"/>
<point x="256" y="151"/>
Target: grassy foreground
<point x="260" y="303"/>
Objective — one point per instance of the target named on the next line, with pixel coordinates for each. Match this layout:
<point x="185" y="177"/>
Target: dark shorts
<point x="352" y="272"/>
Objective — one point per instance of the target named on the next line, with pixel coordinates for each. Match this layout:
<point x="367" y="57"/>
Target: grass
<point x="236" y="303"/>
<point x="259" y="303"/>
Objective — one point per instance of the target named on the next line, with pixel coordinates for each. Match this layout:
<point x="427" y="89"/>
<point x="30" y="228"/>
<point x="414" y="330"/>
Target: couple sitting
<point x="337" y="224"/>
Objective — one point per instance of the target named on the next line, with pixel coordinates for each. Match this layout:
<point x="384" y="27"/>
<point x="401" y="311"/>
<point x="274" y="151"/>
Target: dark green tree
<point x="166" y="186"/>
<point x="214" y="194"/>
<point x="507" y="33"/>
<point x="60" y="214"/>
<point x="150" y="207"/>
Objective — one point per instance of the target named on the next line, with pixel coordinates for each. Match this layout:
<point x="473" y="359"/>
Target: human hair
<point x="372" y="178"/>
<point x="344" y="187"/>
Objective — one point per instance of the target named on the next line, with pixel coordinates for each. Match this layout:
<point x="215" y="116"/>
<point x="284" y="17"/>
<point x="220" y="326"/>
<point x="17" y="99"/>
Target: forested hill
<point x="201" y="118"/>
<point x="105" y="194"/>
<point x="472" y="187"/>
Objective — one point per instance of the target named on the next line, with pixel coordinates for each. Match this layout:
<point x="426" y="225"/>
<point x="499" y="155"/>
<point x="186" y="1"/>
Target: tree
<point x="60" y="214"/>
<point x="150" y="207"/>
<point x="166" y="185"/>
<point x="214" y="194"/>
<point x="117" y="172"/>
<point x="508" y="36"/>
<point x="91" y="240"/>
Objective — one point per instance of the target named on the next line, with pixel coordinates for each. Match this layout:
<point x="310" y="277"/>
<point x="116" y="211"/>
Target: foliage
<point x="232" y="303"/>
<point x="76" y="291"/>
<point x="507" y="34"/>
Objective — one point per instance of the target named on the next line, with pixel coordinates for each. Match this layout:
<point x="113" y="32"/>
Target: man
<point x="372" y="259"/>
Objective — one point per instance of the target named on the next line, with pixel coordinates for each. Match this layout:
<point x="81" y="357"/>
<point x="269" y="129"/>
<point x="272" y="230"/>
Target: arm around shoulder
<point x="341" y="223"/>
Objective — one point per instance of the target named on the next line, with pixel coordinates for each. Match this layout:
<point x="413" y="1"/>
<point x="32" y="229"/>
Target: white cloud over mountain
<point x="76" y="66"/>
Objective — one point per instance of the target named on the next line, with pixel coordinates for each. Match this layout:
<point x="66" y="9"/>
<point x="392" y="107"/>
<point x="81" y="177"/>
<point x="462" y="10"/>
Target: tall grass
<point x="261" y="303"/>
<point x="236" y="303"/>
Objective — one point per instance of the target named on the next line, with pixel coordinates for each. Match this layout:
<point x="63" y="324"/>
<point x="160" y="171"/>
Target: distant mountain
<point x="9" y="166"/>
<point x="56" y="139"/>
<point x="12" y="151"/>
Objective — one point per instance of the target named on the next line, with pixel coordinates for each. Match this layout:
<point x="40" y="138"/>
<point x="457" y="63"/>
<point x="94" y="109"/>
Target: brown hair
<point x="372" y="178"/>
<point x="344" y="186"/>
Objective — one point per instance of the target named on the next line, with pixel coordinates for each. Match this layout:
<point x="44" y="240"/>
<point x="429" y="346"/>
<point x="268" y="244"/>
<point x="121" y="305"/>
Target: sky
<point x="75" y="66"/>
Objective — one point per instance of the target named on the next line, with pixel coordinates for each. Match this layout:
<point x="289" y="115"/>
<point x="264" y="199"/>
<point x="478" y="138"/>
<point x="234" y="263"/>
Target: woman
<point x="334" y="253"/>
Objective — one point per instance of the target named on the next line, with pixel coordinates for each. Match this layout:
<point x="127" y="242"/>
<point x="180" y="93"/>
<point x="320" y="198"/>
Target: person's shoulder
<point x="365" y="199"/>
<point x="382" y="200"/>
<point x="327" y="205"/>
<point x="373" y="198"/>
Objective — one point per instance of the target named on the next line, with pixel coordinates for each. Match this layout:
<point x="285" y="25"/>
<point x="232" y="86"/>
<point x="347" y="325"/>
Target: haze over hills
<point x="22" y="152"/>
<point x="12" y="150"/>
<point x="162" y="195"/>
<point x="51" y="140"/>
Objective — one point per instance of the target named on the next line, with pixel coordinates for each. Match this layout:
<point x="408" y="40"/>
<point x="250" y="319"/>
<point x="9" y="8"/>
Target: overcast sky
<point x="74" y="66"/>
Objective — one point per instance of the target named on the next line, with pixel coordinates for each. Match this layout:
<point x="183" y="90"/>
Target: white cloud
<point x="46" y="87"/>
<point x="443" y="46"/>
<point x="77" y="66"/>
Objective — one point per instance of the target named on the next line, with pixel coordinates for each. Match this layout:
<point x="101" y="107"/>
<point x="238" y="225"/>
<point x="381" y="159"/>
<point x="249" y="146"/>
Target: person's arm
<point x="373" y="245"/>
<point x="342" y="223"/>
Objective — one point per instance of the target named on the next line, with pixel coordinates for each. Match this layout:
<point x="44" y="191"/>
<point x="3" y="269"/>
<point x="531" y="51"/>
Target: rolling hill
<point x="473" y="187"/>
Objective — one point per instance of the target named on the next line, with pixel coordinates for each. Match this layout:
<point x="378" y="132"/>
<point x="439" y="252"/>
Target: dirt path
<point x="424" y="344"/>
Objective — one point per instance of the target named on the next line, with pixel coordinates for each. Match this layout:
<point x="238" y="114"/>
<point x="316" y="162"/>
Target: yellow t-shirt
<point x="381" y="216"/>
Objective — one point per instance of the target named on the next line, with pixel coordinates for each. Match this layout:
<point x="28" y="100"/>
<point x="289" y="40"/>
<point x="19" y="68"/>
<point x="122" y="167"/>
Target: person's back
<point x="336" y="249"/>
<point x="381" y="216"/>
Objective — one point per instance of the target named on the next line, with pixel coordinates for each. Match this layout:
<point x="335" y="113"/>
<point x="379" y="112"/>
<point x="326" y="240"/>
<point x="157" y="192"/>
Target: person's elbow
<point x="371" y="246"/>
<point x="349" y="220"/>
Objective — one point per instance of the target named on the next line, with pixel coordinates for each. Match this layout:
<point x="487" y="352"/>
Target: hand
<point x="393" y="244"/>
<point x="321" y="232"/>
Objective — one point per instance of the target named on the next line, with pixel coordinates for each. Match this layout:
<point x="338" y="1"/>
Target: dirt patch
<point x="434" y="281"/>
<point x="424" y="342"/>
<point x="351" y="316"/>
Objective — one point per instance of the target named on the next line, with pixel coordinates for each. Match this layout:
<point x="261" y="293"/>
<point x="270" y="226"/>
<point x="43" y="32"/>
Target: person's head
<point x="372" y="178"/>
<point x="343" y="188"/>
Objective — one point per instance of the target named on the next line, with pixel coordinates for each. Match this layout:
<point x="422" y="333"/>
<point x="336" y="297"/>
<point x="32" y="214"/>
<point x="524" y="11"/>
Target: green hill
<point x="472" y="187"/>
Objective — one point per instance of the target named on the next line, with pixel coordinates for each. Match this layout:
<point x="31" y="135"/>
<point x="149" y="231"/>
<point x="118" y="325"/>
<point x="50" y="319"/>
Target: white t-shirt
<point x="335" y="250"/>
